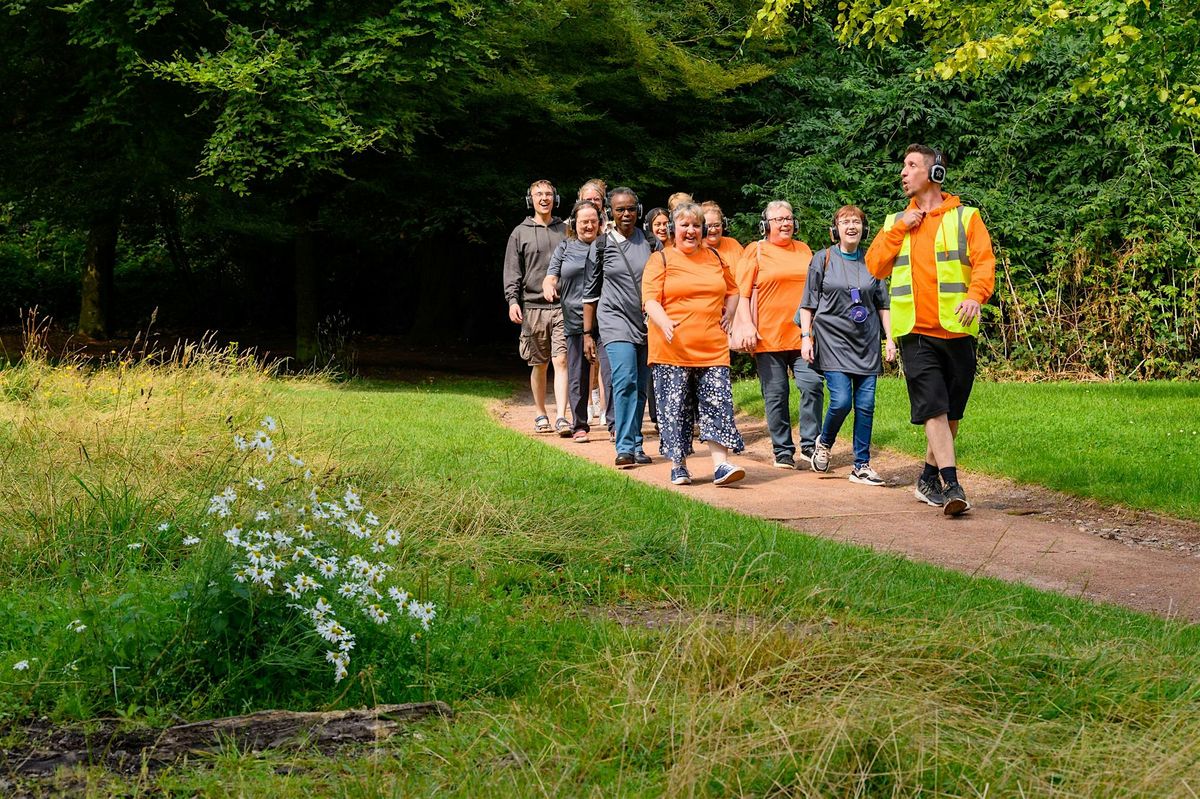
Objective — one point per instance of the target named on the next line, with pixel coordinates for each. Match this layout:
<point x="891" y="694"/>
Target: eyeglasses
<point x="715" y="227"/>
<point x="625" y="209"/>
<point x="782" y="220"/>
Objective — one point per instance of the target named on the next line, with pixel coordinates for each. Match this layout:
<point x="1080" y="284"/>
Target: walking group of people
<point x="652" y="303"/>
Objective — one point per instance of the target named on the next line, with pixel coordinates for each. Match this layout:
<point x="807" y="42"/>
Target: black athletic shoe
<point x="806" y="454"/>
<point x="956" y="500"/>
<point x="642" y="458"/>
<point x="624" y="460"/>
<point x="930" y="491"/>
<point x="785" y="462"/>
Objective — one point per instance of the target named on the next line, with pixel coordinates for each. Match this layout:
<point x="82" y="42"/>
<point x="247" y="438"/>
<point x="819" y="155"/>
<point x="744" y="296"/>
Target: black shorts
<point x="939" y="373"/>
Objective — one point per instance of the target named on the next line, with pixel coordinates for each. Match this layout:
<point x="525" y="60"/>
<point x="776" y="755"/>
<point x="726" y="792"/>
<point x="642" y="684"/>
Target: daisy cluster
<point x="293" y="539"/>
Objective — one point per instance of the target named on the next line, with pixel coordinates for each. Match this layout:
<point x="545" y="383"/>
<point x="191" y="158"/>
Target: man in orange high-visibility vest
<point x="938" y="254"/>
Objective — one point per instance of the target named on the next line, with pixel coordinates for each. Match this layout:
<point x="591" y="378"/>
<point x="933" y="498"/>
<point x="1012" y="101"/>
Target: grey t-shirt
<point x="615" y="285"/>
<point x="844" y="345"/>
<point x="571" y="263"/>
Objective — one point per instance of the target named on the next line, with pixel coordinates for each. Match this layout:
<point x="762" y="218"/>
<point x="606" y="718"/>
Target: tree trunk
<point x="304" y="212"/>
<point x="100" y="256"/>
<point x="168" y="220"/>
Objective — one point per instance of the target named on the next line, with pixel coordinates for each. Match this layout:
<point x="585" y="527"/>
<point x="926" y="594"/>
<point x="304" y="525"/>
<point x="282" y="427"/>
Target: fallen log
<point x="50" y="748"/>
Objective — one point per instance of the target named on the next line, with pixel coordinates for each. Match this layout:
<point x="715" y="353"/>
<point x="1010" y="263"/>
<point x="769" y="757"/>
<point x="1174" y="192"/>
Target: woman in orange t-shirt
<point x="687" y="290"/>
<point x="718" y="236"/>
<point x="770" y="279"/>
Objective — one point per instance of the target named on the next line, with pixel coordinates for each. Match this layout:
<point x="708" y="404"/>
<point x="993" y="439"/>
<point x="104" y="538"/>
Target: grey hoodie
<point x="526" y="259"/>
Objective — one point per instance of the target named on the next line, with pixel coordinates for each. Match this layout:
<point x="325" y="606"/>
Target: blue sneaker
<point x="728" y="473"/>
<point x="680" y="476"/>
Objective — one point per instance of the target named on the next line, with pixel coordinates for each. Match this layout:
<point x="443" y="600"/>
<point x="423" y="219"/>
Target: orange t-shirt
<point x="780" y="274"/>
<point x="881" y="257"/>
<point x="730" y="250"/>
<point x="692" y="289"/>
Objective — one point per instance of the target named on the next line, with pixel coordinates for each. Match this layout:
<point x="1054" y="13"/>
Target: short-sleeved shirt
<point x="844" y="345"/>
<point x="779" y="273"/>
<point x="730" y="250"/>
<point x="570" y="262"/>
<point x="692" y="289"/>
<point x="615" y="285"/>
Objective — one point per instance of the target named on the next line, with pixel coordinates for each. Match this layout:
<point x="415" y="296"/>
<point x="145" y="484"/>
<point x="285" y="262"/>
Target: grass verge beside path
<point x="864" y="674"/>
<point x="1136" y="444"/>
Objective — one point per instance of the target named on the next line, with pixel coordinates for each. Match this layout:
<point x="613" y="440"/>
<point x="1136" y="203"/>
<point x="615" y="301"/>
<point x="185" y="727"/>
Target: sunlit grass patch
<point x="1137" y="444"/>
<point x="795" y="665"/>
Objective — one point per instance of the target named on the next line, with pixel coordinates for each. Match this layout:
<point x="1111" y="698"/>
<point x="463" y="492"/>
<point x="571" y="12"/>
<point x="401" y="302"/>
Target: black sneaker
<point x="785" y="461"/>
<point x="624" y="460"/>
<point x="930" y="491"/>
<point x="806" y="454"/>
<point x="956" y="500"/>
<point x="642" y="458"/>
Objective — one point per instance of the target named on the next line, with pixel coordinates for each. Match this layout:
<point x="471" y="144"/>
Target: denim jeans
<point x="579" y="380"/>
<point x="773" y="377"/>
<point x="846" y="391"/>
<point x="627" y="392"/>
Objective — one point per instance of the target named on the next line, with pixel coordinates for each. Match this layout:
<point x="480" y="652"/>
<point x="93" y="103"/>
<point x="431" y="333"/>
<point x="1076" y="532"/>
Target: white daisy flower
<point x="21" y="665"/>
<point x="190" y="540"/>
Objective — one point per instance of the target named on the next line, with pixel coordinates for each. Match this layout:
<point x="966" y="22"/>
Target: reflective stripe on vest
<point x="953" y="274"/>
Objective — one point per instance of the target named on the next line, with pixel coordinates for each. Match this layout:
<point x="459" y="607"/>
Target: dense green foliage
<point x="377" y="144"/>
<point x="1092" y="213"/>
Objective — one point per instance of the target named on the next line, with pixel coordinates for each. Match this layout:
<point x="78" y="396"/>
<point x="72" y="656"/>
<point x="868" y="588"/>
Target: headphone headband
<point x="529" y="194"/>
<point x="836" y="235"/>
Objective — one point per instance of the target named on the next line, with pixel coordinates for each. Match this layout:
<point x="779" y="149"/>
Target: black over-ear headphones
<point x="529" y="195"/>
<point x="574" y="216"/>
<point x="937" y="170"/>
<point x="764" y="224"/>
<point x="671" y="227"/>
<point x="622" y="190"/>
<point x="836" y="235"/>
<point x="648" y="223"/>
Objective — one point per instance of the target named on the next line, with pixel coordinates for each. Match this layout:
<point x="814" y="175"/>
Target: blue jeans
<point x="773" y="378"/>
<point x="846" y="391"/>
<point x="627" y="392"/>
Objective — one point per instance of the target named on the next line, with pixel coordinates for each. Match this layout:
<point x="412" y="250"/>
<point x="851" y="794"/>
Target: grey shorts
<point x="542" y="336"/>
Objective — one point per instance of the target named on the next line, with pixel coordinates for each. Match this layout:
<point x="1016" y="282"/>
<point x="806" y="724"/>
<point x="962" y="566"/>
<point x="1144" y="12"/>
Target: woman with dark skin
<point x="612" y="311"/>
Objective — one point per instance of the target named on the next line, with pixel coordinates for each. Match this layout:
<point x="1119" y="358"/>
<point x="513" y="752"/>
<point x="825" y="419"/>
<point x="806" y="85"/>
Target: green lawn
<point x="1136" y="444"/>
<point x="863" y="674"/>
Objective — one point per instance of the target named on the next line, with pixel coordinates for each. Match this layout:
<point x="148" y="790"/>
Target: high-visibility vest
<point x="953" y="274"/>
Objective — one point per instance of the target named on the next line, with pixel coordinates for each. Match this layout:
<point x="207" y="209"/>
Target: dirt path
<point x="1018" y="533"/>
